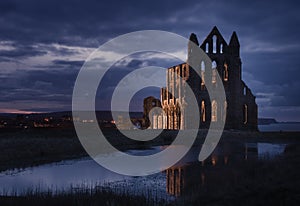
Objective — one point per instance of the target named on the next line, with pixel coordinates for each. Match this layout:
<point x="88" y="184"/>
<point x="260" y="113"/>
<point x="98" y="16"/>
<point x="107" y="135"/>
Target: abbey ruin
<point x="239" y="111"/>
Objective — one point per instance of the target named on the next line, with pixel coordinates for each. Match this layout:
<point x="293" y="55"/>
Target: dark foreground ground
<point x="253" y="182"/>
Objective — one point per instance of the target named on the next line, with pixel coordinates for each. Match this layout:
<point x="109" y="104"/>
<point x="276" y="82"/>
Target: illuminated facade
<point x="240" y="109"/>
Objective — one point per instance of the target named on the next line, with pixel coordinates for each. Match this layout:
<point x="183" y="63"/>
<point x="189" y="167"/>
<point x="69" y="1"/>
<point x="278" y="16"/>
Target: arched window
<point x="245" y="113"/>
<point x="225" y="111"/>
<point x="207" y="47"/>
<point x="202" y="66"/>
<point x="225" y="72"/>
<point x="214" y="64"/>
<point x="214" y="72"/>
<point x="245" y="91"/>
<point x="214" y="110"/>
<point x="202" y="75"/>
<point x="203" y="115"/>
<point x="187" y="72"/>
<point x="214" y="38"/>
<point x="177" y="71"/>
<point x="221" y="48"/>
<point x="183" y="71"/>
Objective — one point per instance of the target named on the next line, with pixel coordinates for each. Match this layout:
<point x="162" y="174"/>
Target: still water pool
<point x="85" y="172"/>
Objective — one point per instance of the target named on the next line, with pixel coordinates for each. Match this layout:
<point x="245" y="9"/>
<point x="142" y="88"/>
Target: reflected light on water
<point x="85" y="172"/>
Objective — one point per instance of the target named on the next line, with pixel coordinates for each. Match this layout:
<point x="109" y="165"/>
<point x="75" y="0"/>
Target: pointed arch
<point x="214" y="64"/>
<point x="225" y="75"/>
<point x="202" y="66"/>
<point x="245" y="114"/>
<point x="214" y="111"/>
<point x="225" y="111"/>
<point x="214" y="40"/>
<point x="203" y="111"/>
<point x="206" y="47"/>
<point x="202" y="74"/>
<point x="214" y="72"/>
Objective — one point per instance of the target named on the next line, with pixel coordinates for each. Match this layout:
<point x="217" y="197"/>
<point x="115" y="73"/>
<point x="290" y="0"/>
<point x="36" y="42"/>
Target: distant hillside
<point x="266" y="121"/>
<point x="103" y="115"/>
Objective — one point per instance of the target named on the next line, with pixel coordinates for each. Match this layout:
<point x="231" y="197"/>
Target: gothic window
<point x="203" y="66"/>
<point x="245" y="113"/>
<point x="214" y="72"/>
<point x="183" y="71"/>
<point x="225" y="111"/>
<point x="225" y="72"/>
<point x="221" y="48"/>
<point x="214" y="44"/>
<point x="245" y="91"/>
<point x="203" y="111"/>
<point x="214" y="110"/>
<point x="206" y="47"/>
<point x="186" y="73"/>
<point x="178" y="71"/>
<point x="202" y="75"/>
<point x="214" y="76"/>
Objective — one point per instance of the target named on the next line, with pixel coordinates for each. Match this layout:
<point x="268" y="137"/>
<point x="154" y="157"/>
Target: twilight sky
<point x="43" y="45"/>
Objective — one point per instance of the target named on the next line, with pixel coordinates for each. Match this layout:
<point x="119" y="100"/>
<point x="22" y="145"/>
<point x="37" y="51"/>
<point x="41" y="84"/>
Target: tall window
<point x="214" y="110"/>
<point x="214" y="64"/>
<point x="214" y="38"/>
<point x="214" y="72"/>
<point x="183" y="71"/>
<point x="206" y="47"/>
<point x="203" y="111"/>
<point x="225" y="72"/>
<point x="177" y="72"/>
<point x="221" y="48"/>
<point x="245" y="113"/>
<point x="187" y="72"/>
<point x="225" y="111"/>
<point x="202" y="75"/>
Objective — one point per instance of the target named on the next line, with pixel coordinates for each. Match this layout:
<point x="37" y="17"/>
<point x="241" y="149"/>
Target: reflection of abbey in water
<point x="240" y="106"/>
<point x="189" y="173"/>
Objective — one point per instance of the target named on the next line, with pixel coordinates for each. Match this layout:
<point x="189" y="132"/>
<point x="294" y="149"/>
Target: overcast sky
<point x="43" y="45"/>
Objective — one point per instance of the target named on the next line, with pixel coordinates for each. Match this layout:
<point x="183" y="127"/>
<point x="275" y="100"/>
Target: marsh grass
<point x="77" y="196"/>
<point x="21" y="149"/>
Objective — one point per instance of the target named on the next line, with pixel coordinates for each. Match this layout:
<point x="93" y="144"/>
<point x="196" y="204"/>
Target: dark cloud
<point x="90" y="23"/>
<point x="79" y="22"/>
<point x="38" y="85"/>
<point x="68" y="63"/>
<point x="18" y="51"/>
<point x="22" y="51"/>
<point x="7" y="7"/>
